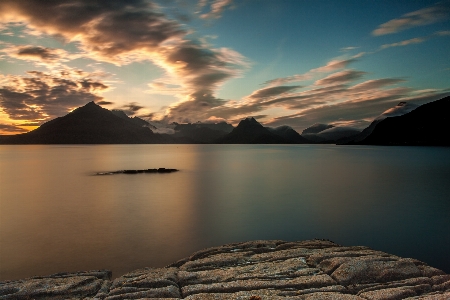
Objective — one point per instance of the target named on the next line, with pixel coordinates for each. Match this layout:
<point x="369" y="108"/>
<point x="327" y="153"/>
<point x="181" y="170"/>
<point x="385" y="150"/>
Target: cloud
<point x="340" y="77"/>
<point x="443" y="33"/>
<point x="104" y="102"/>
<point x="337" y="64"/>
<point x="217" y="8"/>
<point x="345" y="49"/>
<point x="404" y="43"/>
<point x="425" y="16"/>
<point x="284" y="80"/>
<point x="376" y="84"/>
<point x="331" y="66"/>
<point x="272" y="91"/>
<point x="41" y="96"/>
<point x="125" y="31"/>
<point x="49" y="57"/>
<point x="131" y="108"/>
<point x="11" y="129"/>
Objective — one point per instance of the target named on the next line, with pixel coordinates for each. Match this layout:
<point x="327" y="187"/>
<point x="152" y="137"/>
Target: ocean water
<point x="56" y="215"/>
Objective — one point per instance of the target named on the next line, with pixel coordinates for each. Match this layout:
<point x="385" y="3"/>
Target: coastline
<point x="312" y="269"/>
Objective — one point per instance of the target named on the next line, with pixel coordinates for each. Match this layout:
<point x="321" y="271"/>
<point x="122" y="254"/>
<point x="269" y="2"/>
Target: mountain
<point x="398" y="110"/>
<point x="89" y="124"/>
<point x="249" y="131"/>
<point x="289" y="134"/>
<point x="327" y="134"/>
<point x="425" y="125"/>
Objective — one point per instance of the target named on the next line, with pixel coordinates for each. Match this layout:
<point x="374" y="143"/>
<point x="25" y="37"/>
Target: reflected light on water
<point x="56" y="216"/>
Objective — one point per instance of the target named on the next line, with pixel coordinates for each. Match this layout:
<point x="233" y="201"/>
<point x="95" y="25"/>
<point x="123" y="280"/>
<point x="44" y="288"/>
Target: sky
<point x="289" y="62"/>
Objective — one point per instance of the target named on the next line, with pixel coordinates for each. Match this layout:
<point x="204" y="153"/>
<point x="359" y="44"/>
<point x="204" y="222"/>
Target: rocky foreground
<point x="314" y="269"/>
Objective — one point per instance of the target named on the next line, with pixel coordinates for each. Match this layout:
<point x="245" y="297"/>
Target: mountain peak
<point x="250" y="119"/>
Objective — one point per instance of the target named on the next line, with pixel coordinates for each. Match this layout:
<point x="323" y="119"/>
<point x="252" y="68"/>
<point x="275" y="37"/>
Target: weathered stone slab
<point x="148" y="282"/>
<point x="298" y="283"/>
<point x="374" y="269"/>
<point x="255" y="270"/>
<point x="289" y="268"/>
<point x="57" y="286"/>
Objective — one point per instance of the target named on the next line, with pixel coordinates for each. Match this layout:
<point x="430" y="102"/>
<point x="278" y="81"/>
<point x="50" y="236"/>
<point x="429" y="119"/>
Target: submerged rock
<point x="256" y="270"/>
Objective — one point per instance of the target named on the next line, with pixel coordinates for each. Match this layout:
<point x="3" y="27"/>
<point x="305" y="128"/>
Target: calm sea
<point x="55" y="215"/>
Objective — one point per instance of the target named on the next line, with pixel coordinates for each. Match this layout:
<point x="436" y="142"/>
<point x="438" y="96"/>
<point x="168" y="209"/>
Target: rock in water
<point x="310" y="270"/>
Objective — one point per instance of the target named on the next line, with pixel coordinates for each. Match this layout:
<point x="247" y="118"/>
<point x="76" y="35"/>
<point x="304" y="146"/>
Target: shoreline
<point x="274" y="269"/>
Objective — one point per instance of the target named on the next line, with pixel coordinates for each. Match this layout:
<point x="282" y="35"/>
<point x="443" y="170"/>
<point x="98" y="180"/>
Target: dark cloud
<point x="42" y="96"/>
<point x="131" y="108"/>
<point x="104" y="102"/>
<point x="45" y="54"/>
<point x="341" y="77"/>
<point x="11" y="129"/>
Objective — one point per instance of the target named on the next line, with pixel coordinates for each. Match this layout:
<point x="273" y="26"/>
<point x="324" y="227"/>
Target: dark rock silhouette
<point x="275" y="269"/>
<point x="398" y="110"/>
<point x="89" y="124"/>
<point x="249" y="131"/>
<point x="426" y="125"/>
<point x="160" y="170"/>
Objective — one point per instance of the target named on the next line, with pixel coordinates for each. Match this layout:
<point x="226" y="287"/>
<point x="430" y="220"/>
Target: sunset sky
<point x="290" y="62"/>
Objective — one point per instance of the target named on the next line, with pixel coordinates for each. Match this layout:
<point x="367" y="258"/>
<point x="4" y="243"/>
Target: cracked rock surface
<point x="256" y="270"/>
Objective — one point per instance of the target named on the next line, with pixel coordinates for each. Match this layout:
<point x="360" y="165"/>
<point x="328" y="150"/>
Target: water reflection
<point x="55" y="216"/>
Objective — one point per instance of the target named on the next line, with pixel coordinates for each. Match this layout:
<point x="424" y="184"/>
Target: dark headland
<point x="311" y="270"/>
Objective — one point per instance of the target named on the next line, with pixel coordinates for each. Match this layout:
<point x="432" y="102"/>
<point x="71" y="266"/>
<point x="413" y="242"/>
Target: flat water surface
<point x="55" y="215"/>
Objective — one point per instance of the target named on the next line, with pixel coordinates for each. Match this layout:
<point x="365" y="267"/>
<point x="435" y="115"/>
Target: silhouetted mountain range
<point x="91" y="124"/>
<point x="249" y="131"/>
<point x="328" y="134"/>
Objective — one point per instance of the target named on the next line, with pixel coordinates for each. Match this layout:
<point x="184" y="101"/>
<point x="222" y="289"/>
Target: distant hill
<point x="427" y="124"/>
<point x="249" y="131"/>
<point x="89" y="124"/>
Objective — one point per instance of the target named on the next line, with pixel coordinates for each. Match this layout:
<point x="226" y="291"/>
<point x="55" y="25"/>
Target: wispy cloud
<point x="443" y="33"/>
<point x="345" y="49"/>
<point x="284" y="80"/>
<point x="404" y="43"/>
<point x="217" y="8"/>
<point x="332" y="65"/>
<point x="272" y="91"/>
<point x="426" y="16"/>
<point x="340" y="77"/>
